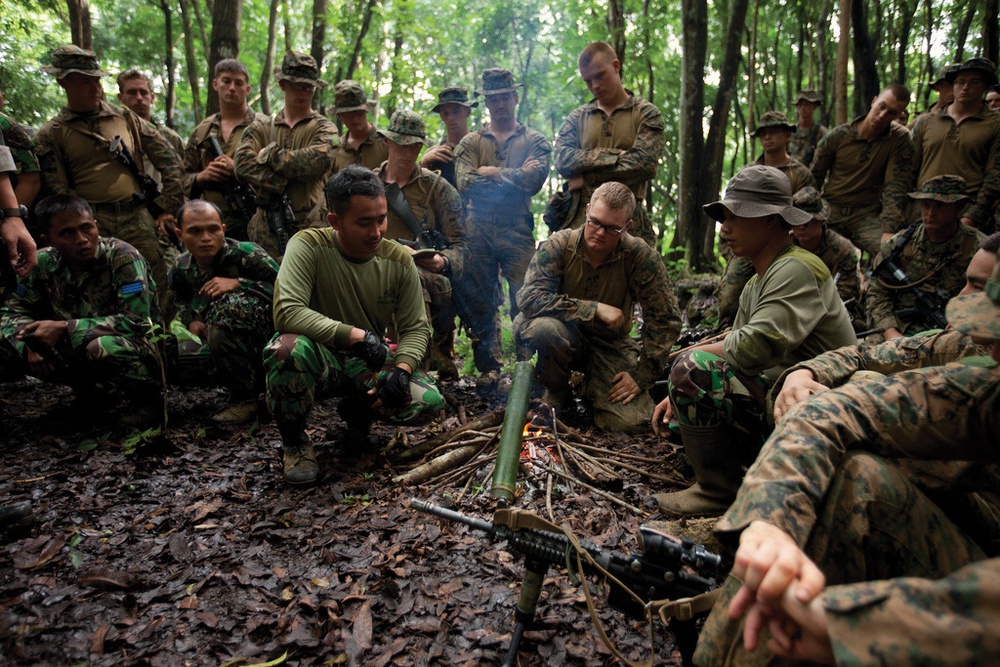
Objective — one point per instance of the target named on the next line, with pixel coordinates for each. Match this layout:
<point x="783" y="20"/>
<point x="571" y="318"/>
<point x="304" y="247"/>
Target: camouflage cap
<point x="773" y="119"/>
<point x="496" y="81"/>
<point x="946" y="188"/>
<point x="406" y="128"/>
<point x="299" y="68"/>
<point x="69" y="59"/>
<point x="350" y="96"/>
<point x="942" y="77"/>
<point x="978" y="314"/>
<point x="984" y="66"/>
<point x="454" y="95"/>
<point x="758" y="191"/>
<point x="809" y="95"/>
<point x="808" y="200"/>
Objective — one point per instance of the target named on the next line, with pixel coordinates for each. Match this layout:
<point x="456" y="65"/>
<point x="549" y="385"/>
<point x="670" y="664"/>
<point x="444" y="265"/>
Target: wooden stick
<point x="632" y="457"/>
<point x="418" y="450"/>
<point x="645" y="473"/>
<point x="437" y="466"/>
<point x="603" y="494"/>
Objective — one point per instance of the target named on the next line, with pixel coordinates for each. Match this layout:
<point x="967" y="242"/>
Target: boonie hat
<point x="773" y="119"/>
<point x="809" y="95"/>
<point x="406" y="128"/>
<point x="299" y="68"/>
<point x="946" y="188"/>
<point x="496" y="81"/>
<point x="978" y="314"/>
<point x="758" y="191"/>
<point x="942" y="77"/>
<point x="984" y="66"/>
<point x="454" y="95"/>
<point x="808" y="200"/>
<point x="350" y="96"/>
<point x="69" y="59"/>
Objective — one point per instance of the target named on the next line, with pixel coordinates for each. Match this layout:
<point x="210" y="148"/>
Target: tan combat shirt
<point x="196" y="156"/>
<point x="372" y="152"/>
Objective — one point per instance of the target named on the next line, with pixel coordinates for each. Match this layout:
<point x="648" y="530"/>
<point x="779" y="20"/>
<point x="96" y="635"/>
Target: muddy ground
<point x="186" y="548"/>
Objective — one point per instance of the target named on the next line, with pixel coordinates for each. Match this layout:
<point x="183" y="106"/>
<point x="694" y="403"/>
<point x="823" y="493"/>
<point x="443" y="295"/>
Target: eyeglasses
<point x="967" y="82"/>
<point x="303" y="87"/>
<point x="616" y="231"/>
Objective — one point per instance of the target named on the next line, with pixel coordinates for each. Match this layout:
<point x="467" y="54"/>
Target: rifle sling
<point x="105" y="144"/>
<point x="397" y="202"/>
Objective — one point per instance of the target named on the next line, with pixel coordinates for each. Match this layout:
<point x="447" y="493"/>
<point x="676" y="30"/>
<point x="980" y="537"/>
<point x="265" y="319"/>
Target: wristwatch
<point x="19" y="212"/>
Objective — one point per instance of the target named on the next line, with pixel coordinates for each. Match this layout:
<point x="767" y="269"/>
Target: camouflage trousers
<point x="739" y="271"/>
<point x="238" y="327"/>
<point x="439" y="299"/>
<point x="564" y="347"/>
<point x="704" y="390"/>
<point x="299" y="371"/>
<point x="138" y="229"/>
<point x="873" y="524"/>
<point x="860" y="225"/>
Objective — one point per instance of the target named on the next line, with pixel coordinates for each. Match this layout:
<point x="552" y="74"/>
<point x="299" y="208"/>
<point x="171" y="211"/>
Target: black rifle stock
<point x="241" y="196"/>
<point x="279" y="216"/>
<point x="929" y="309"/>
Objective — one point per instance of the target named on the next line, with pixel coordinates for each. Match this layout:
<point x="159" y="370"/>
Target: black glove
<point x="394" y="389"/>
<point x="372" y="351"/>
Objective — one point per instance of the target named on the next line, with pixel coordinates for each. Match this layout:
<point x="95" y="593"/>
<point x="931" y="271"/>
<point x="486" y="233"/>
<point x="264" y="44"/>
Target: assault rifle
<point x="240" y="196"/>
<point x="929" y="308"/>
<point x="279" y="216"/>
<point x="658" y="575"/>
<point x="149" y="189"/>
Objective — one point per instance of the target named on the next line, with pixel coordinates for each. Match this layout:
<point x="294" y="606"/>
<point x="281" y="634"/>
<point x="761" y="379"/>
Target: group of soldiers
<point x="317" y="264"/>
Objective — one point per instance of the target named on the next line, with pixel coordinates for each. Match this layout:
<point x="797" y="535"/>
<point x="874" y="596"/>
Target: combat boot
<point x="299" y="459"/>
<point x="714" y="454"/>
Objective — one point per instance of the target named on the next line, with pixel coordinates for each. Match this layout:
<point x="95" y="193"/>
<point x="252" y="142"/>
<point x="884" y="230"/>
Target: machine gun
<point x="149" y="189"/>
<point x="240" y="196"/>
<point x="929" y="308"/>
<point x="279" y="216"/>
<point x="658" y="575"/>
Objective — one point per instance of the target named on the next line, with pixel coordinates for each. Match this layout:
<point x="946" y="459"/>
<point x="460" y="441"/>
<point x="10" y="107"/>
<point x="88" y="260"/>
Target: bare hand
<point x="798" y="386"/>
<point x="969" y="221"/>
<point x="892" y="332"/>
<point x="492" y="173"/>
<point x="436" y="155"/>
<point x="216" y="287"/>
<point x="799" y="630"/>
<point x="21" y="251"/>
<point x="623" y="388"/>
<point x="662" y="414"/>
<point x="198" y="328"/>
<point x="166" y="225"/>
<point x="38" y="366"/>
<point x="531" y="164"/>
<point x="45" y="331"/>
<point x="433" y="263"/>
<point x="575" y="183"/>
<point x="217" y="171"/>
<point x="611" y="317"/>
<point x="886" y="236"/>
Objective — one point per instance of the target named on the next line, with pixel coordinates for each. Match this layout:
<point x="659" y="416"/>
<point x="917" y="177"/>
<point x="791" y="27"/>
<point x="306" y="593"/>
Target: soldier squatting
<point x="289" y="288"/>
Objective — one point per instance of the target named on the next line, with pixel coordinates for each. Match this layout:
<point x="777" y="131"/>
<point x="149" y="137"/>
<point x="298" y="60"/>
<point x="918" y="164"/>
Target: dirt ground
<point x="186" y="548"/>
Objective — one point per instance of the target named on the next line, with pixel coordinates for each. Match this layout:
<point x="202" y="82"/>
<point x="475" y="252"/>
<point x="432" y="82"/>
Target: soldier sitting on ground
<point x="224" y="290"/>
<point x="577" y="304"/>
<point x="82" y="317"/>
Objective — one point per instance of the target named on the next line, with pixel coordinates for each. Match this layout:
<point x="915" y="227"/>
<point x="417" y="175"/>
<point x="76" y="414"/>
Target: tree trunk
<point x="272" y="47"/>
<point x="191" y="59"/>
<point x="991" y="30"/>
<point x="963" y="28"/>
<point x="316" y="48"/>
<point x="752" y="78"/>
<point x="905" y="28"/>
<point x="286" y="15"/>
<point x="226" y="18"/>
<point x="615" y="21"/>
<point x="168" y="35"/>
<point x="866" y="79"/>
<point x="823" y="61"/>
<point x="201" y="26"/>
<point x="843" y="53"/>
<point x="694" y="41"/>
<point x="366" y="23"/>
<point x="79" y="23"/>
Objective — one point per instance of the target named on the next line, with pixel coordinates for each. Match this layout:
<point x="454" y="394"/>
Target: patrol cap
<point x="983" y="66"/>
<point x="350" y="96"/>
<point x="299" y="68"/>
<point x="809" y="95"/>
<point x="808" y="200"/>
<point x="758" y="191"/>
<point x="946" y="188"/>
<point x="978" y="314"/>
<point x="773" y="119"/>
<point x="942" y="77"/>
<point x="69" y="59"/>
<point x="454" y="95"/>
<point x="496" y="81"/>
<point x="406" y="128"/>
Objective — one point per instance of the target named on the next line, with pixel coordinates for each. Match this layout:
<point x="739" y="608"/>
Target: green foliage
<point x="139" y="439"/>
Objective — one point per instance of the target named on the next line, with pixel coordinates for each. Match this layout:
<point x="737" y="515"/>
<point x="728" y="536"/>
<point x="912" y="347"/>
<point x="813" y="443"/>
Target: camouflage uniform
<point x="109" y="309"/>
<point x="238" y="322"/>
<point x="371" y="152"/>
<point x="625" y="147"/>
<point x="196" y="159"/>
<point x="802" y="145"/>
<point x="843" y="259"/>
<point x="905" y="585"/>
<point x="169" y="135"/>
<point x="559" y="302"/>
<point x="21" y="147"/>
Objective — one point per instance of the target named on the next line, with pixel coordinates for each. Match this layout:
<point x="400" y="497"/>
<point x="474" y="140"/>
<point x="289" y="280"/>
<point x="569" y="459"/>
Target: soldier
<point x="944" y="89"/>
<point x="789" y="311"/>
<point x="26" y="179"/>
<point x="838" y="254"/>
<point x="213" y="178"/>
<point x="454" y="108"/>
<point x="286" y="159"/>
<point x="864" y="169"/>
<point x="843" y="555"/>
<point x="808" y="132"/>
<point x="136" y="92"/>
<point x="499" y="167"/>
<point x="82" y="316"/>
<point x="993" y="97"/>
<point x="614" y="137"/>
<point x="336" y="292"/>
<point x="577" y="306"/>
<point x="224" y="289"/>
<point x="964" y="139"/>
<point x="74" y="152"/>
<point x="362" y="144"/>
<point x="425" y="213"/>
<point x="933" y="255"/>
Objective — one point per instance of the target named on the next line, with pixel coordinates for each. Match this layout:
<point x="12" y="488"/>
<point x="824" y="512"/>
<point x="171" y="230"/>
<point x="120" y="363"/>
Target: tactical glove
<point x="394" y="389"/>
<point x="372" y="351"/>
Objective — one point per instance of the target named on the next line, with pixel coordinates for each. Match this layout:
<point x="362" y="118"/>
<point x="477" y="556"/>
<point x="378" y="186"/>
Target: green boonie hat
<point x="946" y="188"/>
<point x="406" y="128"/>
<point x="984" y="66"/>
<point x="496" y="81"/>
<point x="69" y="59"/>
<point x="942" y="77"/>
<point x="758" y="191"/>
<point x="808" y="200"/>
<point x="809" y="95"/>
<point x="350" y="96"/>
<point x="978" y="314"/>
<point x="299" y="68"/>
<point x="454" y="95"/>
<point x="773" y="119"/>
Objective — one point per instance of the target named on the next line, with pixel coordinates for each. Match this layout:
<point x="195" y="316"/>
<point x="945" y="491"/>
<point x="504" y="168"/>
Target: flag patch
<point x="132" y="288"/>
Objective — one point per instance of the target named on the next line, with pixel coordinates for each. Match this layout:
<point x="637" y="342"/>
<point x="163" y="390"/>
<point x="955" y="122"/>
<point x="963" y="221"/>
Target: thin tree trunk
<point x="991" y="30"/>
<point x="226" y="19"/>
<point x="694" y="40"/>
<point x="366" y="23"/>
<point x="823" y="60"/>
<point x="168" y="35"/>
<point x="272" y="47"/>
<point x="316" y="48"/>
<point x="843" y="53"/>
<point x="905" y="28"/>
<point x="866" y="80"/>
<point x="963" y="28"/>
<point x="191" y="59"/>
<point x="201" y="25"/>
<point x="79" y="23"/>
<point x="752" y="77"/>
<point x="286" y="15"/>
<point x="615" y="21"/>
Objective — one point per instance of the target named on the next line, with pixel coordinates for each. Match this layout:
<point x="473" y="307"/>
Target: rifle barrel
<point x="452" y="515"/>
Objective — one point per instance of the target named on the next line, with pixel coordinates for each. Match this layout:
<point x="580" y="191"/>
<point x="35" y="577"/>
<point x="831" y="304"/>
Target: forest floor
<point x="185" y="547"/>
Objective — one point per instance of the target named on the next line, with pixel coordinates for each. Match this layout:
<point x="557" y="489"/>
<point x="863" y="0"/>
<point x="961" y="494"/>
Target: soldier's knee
<point x="281" y="348"/>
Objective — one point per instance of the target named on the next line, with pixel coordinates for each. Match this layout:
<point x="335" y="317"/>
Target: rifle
<point x="929" y="310"/>
<point x="149" y="189"/>
<point x="279" y="216"/>
<point x="240" y="196"/>
<point x="658" y="574"/>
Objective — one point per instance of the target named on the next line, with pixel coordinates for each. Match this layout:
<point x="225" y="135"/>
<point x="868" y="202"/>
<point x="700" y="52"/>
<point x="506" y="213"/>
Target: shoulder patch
<point x="132" y="288"/>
